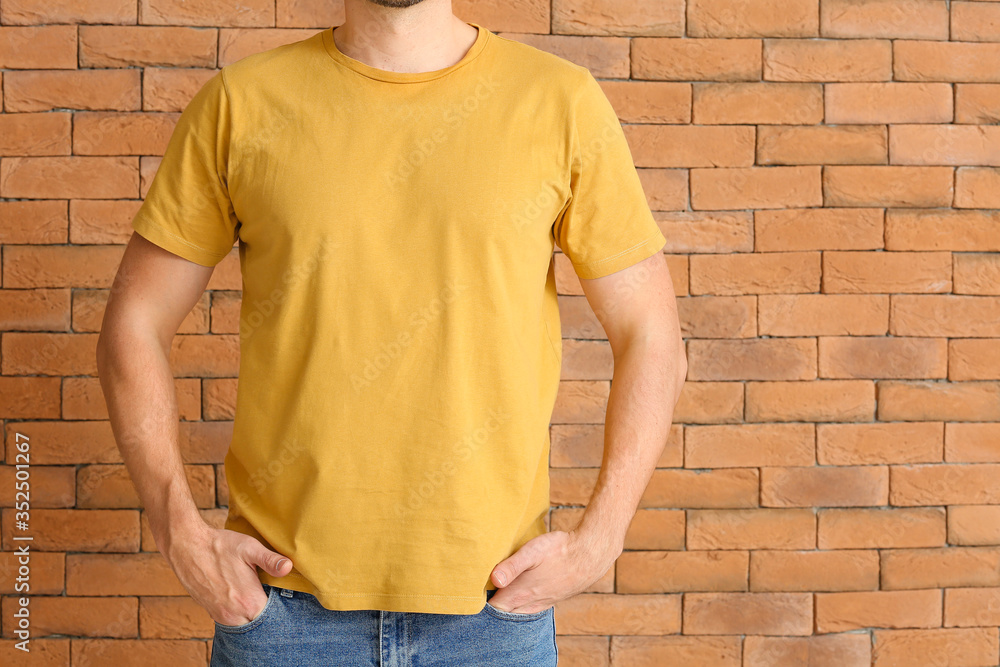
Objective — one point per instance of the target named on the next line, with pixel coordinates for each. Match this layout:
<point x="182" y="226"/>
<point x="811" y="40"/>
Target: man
<point x="397" y="185"/>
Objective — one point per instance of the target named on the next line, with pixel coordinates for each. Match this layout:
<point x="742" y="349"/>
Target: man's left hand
<point x="548" y="568"/>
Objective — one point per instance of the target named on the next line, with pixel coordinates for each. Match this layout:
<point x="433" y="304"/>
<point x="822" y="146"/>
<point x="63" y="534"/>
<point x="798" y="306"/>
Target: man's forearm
<point x="138" y="387"/>
<point x="648" y="376"/>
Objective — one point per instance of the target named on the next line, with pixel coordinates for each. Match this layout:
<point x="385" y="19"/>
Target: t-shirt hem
<point x="155" y="233"/>
<point x="400" y="602"/>
<point x="621" y="260"/>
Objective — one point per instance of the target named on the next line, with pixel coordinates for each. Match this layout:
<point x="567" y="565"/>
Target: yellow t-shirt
<point x="399" y="329"/>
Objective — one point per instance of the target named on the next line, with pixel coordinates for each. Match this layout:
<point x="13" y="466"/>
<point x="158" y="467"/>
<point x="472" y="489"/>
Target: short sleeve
<point x="606" y="225"/>
<point x="187" y="209"/>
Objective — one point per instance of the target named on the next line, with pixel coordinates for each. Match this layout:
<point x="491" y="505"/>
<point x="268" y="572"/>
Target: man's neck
<point x="421" y="38"/>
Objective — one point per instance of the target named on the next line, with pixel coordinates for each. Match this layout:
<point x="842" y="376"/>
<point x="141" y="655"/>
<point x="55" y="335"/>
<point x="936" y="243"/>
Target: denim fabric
<point x="294" y="629"/>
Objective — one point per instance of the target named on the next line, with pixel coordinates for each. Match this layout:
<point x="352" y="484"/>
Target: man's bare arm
<point x="638" y="310"/>
<point x="637" y="307"/>
<point x="152" y="293"/>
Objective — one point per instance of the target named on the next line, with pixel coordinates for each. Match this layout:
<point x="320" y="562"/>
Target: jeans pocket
<point x="272" y="594"/>
<point x="515" y="616"/>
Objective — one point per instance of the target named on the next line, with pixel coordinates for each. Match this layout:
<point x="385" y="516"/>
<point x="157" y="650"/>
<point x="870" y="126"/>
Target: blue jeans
<point x="294" y="629"/>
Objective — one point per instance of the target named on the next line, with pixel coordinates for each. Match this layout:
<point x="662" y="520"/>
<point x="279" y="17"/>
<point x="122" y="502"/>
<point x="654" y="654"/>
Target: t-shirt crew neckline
<point x="403" y="77"/>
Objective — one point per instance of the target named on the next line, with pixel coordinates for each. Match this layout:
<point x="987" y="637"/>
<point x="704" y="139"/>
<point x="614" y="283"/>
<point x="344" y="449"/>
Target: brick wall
<point x="826" y="174"/>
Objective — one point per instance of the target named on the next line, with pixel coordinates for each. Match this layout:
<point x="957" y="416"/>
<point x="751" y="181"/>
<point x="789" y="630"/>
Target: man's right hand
<point x="218" y="567"/>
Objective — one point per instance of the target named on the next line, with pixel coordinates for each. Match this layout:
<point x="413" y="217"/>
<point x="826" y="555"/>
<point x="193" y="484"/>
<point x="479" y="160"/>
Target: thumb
<point x="270" y="561"/>
<point x="508" y="569"/>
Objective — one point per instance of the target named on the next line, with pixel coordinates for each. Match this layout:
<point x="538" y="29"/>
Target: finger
<point x="509" y="568"/>
<point x="271" y="562"/>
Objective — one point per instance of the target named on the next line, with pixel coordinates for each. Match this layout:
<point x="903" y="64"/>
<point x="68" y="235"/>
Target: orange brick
<point x="83" y="398"/>
<point x="167" y="89"/>
<point x="846" y="570"/>
<point x="757" y="103"/>
<point x="945" y="315"/>
<point x="752" y="359"/>
<point x="709" y="403"/>
<point x="702" y="488"/>
<point x="886" y="272"/>
<point x="971" y="607"/>
<point x="717" y="316"/>
<point x="977" y="103"/>
<point x="666" y="189"/>
<point x="111" y="133"/>
<point x="755" y="273"/>
<point x="654" y="529"/>
<point x="205" y="355"/>
<point x="945" y="61"/>
<point x="827" y="60"/>
<point x="128" y="46"/>
<point x="751" y="529"/>
<point x="848" y="144"/>
<point x="51" y="486"/>
<point x="975" y="22"/>
<point x="944" y="484"/>
<point x="886" y="186"/>
<point x="649" y="101"/>
<point x="29" y="398"/>
<point x="137" y="652"/>
<point x="756" y="18"/>
<point x="33" y="222"/>
<point x="580" y="402"/>
<point x="690" y="145"/>
<point x="252" y="13"/>
<point x="974" y="524"/>
<point x="79" y="616"/>
<point x="35" y="309"/>
<point x="677" y="571"/>
<point x="670" y="650"/>
<point x="840" y="612"/>
<point x="121" y="574"/>
<point x="933" y="401"/>
<point x="95" y="89"/>
<point x="945" y="144"/>
<point x="66" y="442"/>
<point x="582" y="446"/>
<point x="690" y="59"/>
<point x="616" y="17"/>
<point x="823" y="314"/>
<point x="974" y="646"/>
<point x="60" y="266"/>
<point x="49" y="354"/>
<point x="111" y="486"/>
<point x="889" y="102"/>
<point x="935" y="229"/>
<point x="174" y="618"/>
<point x="52" y="651"/>
<point x="949" y="567"/>
<point x="48" y="573"/>
<point x="69" y="176"/>
<point x="912" y="19"/>
<point x="35" y="134"/>
<point x="29" y="12"/>
<point x="748" y="613"/>
<point x="819" y="401"/>
<point x="716" y="232"/>
<point x="841" y="650"/>
<point x="877" y="528"/>
<point x="882" y="357"/>
<point x="605" y="57"/>
<point x="977" y="273"/>
<point x="977" y="187"/>
<point x="757" y="187"/>
<point x="98" y="221"/>
<point x="225" y="314"/>
<point x="529" y="16"/>
<point x="824" y="486"/>
<point x="38" y="47"/>
<point x="858" y="444"/>
<point x="77" y="530"/>
<point x="600" y="614"/>
<point x="972" y="443"/>
<point x="586" y="360"/>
